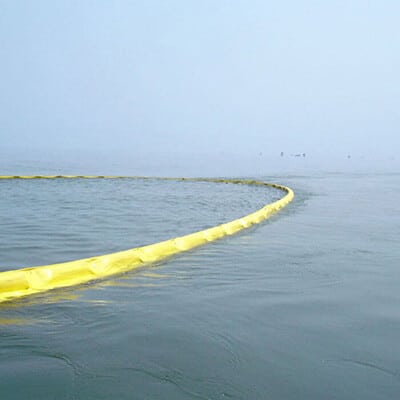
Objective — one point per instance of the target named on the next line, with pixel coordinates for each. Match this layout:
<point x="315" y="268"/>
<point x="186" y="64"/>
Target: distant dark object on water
<point x="296" y="155"/>
<point x="281" y="153"/>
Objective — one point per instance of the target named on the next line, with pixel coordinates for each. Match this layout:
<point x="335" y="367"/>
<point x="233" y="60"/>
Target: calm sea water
<point x="302" y="306"/>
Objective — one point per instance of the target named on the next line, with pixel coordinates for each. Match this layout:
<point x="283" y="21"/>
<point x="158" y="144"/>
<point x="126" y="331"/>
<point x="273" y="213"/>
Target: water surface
<point x="304" y="305"/>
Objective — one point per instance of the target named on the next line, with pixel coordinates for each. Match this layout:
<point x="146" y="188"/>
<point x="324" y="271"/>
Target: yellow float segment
<point x="27" y="281"/>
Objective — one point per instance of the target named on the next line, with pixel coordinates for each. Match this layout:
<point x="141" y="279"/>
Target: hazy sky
<point x="186" y="77"/>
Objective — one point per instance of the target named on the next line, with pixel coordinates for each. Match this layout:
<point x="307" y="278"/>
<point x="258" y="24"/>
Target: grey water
<point x="305" y="305"/>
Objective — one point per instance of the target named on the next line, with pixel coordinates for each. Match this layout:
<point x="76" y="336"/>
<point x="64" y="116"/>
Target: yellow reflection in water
<point x="15" y="321"/>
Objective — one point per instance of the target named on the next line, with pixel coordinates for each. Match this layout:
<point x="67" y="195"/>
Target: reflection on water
<point x="16" y="321"/>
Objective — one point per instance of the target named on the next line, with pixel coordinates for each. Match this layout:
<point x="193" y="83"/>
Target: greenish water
<point x="303" y="306"/>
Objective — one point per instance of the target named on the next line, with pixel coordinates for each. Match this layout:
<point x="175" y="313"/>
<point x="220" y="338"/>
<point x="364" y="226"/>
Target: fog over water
<point x="179" y="81"/>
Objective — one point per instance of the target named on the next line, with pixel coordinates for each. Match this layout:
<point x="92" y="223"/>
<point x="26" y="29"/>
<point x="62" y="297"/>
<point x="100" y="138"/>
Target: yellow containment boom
<point x="27" y="281"/>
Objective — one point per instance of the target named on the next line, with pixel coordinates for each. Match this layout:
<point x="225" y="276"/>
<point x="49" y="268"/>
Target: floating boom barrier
<point x="27" y="281"/>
